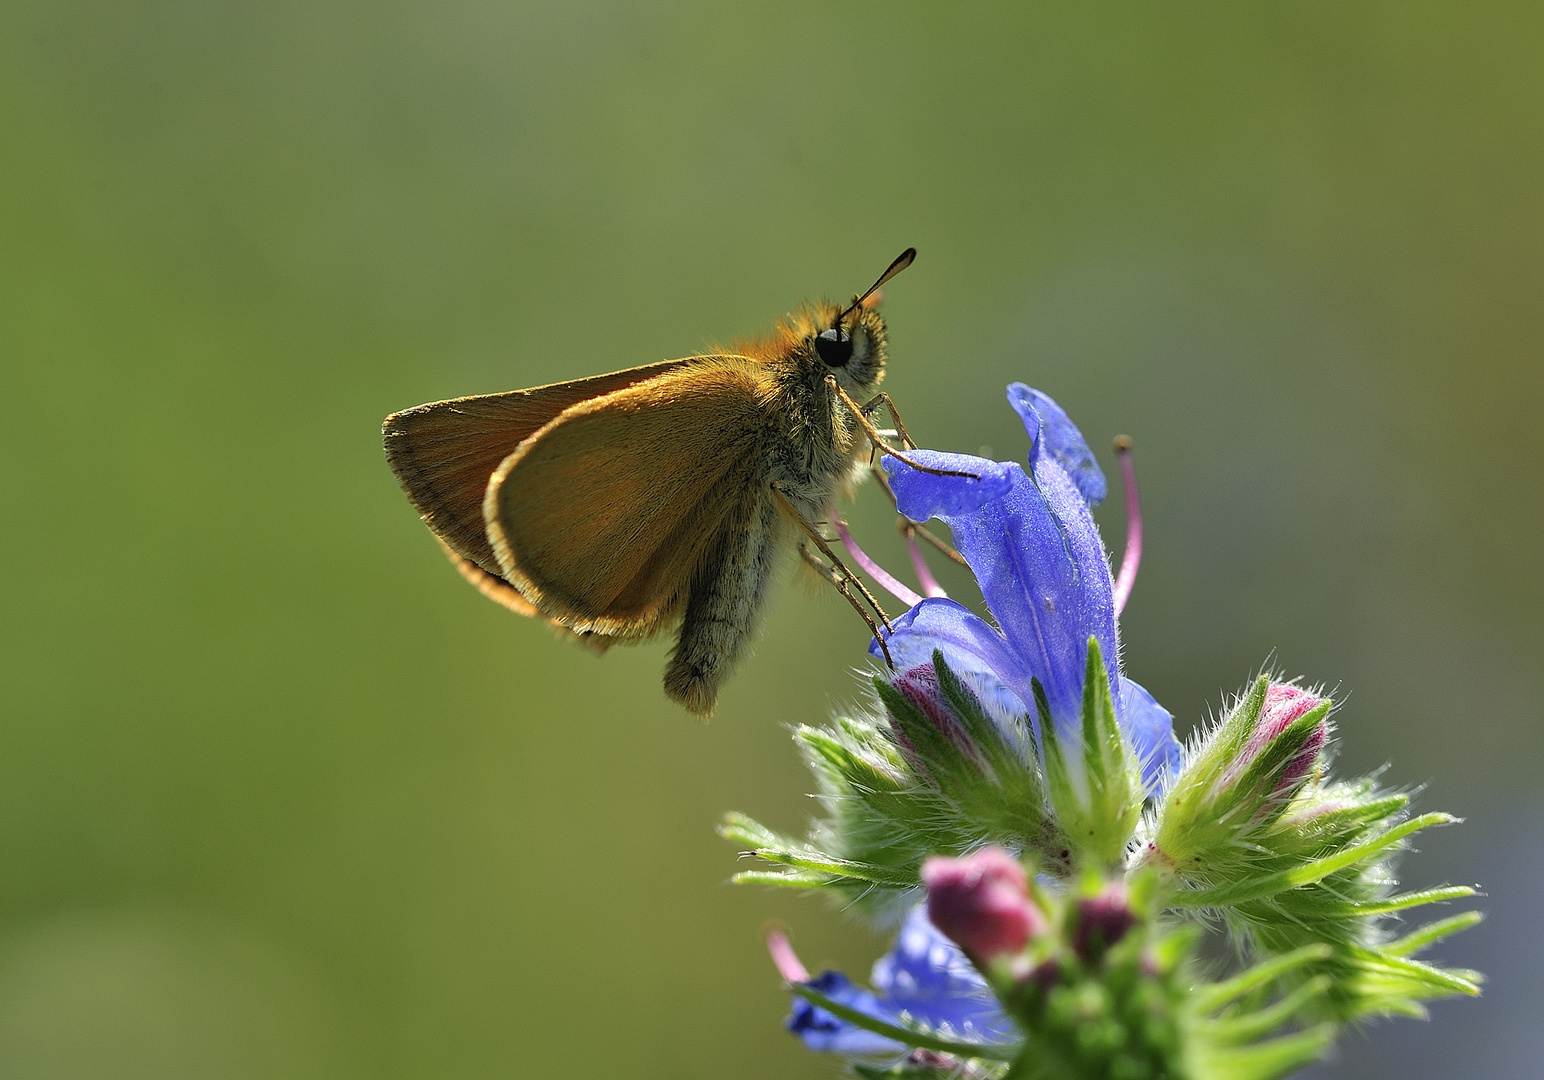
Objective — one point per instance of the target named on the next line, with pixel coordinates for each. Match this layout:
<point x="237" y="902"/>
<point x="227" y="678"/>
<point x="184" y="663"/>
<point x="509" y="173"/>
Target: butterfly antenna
<point x="902" y="261"/>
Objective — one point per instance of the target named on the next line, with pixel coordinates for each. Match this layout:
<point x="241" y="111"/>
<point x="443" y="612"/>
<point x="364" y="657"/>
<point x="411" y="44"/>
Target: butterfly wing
<point x="443" y="453"/>
<point x="601" y="518"/>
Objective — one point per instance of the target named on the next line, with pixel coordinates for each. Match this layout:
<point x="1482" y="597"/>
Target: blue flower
<point x="1031" y="540"/>
<point x="924" y="979"/>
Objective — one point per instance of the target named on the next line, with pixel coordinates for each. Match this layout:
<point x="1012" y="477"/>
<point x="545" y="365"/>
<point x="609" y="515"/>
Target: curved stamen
<point x="785" y="958"/>
<point x="875" y="571"/>
<point x="919" y="564"/>
<point x="1132" y="558"/>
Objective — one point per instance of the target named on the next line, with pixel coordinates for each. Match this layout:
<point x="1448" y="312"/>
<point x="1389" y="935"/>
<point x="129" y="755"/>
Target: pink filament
<point x="919" y="564"/>
<point x="875" y="571"/>
<point x="785" y="958"/>
<point x="1133" y="554"/>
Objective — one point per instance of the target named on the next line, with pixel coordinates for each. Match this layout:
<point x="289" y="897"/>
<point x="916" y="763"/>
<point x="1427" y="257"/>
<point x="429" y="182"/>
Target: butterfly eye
<point x="834" y="347"/>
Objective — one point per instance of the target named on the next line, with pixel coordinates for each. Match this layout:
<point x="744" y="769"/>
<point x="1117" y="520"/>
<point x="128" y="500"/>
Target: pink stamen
<point x="875" y="571"/>
<point x="919" y="564"/>
<point x="1133" y="554"/>
<point x="785" y="958"/>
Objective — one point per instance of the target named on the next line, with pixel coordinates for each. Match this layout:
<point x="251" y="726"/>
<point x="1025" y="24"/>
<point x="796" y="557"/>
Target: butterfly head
<point x="851" y="345"/>
<point x="851" y="340"/>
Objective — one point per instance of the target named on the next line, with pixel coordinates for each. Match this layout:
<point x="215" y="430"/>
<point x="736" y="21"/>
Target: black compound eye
<point x="834" y="347"/>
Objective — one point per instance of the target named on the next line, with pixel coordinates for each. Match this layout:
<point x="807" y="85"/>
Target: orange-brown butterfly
<point x="617" y="505"/>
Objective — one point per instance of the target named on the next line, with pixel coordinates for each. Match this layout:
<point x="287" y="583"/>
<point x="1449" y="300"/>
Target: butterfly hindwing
<point x="587" y="521"/>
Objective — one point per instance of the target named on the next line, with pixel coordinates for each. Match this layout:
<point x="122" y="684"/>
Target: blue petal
<point x="924" y="979"/>
<point x="821" y="1030"/>
<point x="921" y="495"/>
<point x="1051" y="430"/>
<point x="1150" y="727"/>
<point x="927" y="977"/>
<point x="969" y="642"/>
<point x="1042" y="571"/>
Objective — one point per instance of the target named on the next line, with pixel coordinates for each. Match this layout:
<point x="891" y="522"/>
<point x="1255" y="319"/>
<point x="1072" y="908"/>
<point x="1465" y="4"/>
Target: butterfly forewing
<point x="443" y="453"/>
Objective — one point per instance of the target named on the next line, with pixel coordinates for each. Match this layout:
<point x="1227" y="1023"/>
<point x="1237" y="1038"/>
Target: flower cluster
<point x="1023" y="811"/>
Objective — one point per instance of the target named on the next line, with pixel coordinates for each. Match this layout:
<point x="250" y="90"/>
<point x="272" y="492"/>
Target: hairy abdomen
<point x="723" y="612"/>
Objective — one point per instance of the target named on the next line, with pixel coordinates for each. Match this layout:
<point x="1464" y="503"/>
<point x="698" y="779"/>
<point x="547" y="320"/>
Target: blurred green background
<point x="281" y="797"/>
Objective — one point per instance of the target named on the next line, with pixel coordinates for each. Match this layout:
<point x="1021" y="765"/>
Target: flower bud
<point x="1102" y="920"/>
<point x="963" y="745"/>
<point x="1242" y="777"/>
<point x="1285" y="704"/>
<point x="982" y="903"/>
<point x="921" y="688"/>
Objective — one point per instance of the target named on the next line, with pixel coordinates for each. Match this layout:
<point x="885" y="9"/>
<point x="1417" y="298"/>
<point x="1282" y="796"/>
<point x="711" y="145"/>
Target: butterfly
<point x="665" y="495"/>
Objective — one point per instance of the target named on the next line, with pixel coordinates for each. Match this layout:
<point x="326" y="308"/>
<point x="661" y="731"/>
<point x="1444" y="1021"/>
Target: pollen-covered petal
<point x="1053" y="432"/>
<point x="920" y="495"/>
<point x="1150" y="727"/>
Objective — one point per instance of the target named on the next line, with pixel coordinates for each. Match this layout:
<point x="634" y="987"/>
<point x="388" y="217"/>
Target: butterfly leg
<point x="883" y="400"/>
<point x="878" y="439"/>
<point x="836" y="571"/>
<point x="827" y="571"/>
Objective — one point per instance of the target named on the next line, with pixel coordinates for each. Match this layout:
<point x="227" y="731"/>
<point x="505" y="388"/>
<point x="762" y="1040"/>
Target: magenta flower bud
<point x="1245" y="774"/>
<point x="1285" y="704"/>
<point x="982" y="903"/>
<point x="920" y="687"/>
<point x="1103" y="920"/>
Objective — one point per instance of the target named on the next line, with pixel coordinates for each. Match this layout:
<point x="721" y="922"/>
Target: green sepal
<point x="1322" y="819"/>
<point x="1188" y="821"/>
<point x="1217" y="995"/>
<point x="784" y="879"/>
<point x="1423" y="937"/>
<point x="1010" y="767"/>
<point x="1308" y="873"/>
<point x="902" y="785"/>
<point x="942" y="761"/>
<point x="1231" y="1045"/>
<point x="1263" y="1060"/>
<point x="1099" y="805"/>
<point x="817" y="868"/>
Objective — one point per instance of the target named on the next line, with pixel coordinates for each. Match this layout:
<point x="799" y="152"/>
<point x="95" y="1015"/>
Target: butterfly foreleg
<point x="836" y="571"/>
<point x="878" y="439"/>
<point x="883" y="400"/>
